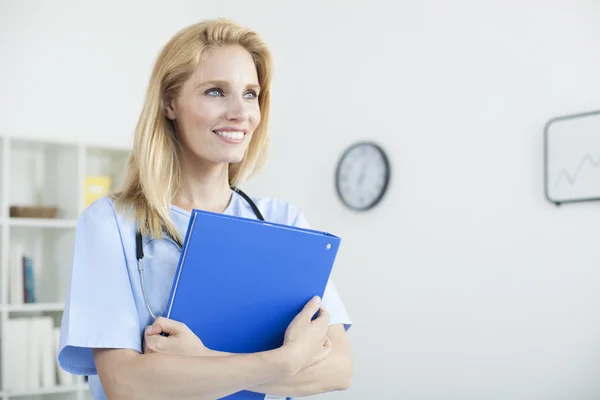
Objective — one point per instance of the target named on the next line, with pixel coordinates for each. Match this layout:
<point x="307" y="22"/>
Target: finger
<point x="323" y="313"/>
<point x="154" y="344"/>
<point x="165" y="325"/>
<point x="310" y="308"/>
<point x="323" y="353"/>
<point x="322" y="317"/>
<point x="157" y="327"/>
<point x="327" y="346"/>
<point x="151" y="330"/>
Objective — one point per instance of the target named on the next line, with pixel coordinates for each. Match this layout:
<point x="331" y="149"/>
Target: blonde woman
<point x="202" y="132"/>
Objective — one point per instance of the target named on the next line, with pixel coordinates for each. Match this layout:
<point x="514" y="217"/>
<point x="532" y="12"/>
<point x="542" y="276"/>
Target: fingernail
<point x="149" y="329"/>
<point x="316" y="299"/>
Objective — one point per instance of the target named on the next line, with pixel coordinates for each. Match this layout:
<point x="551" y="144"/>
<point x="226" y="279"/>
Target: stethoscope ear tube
<point x="141" y="270"/>
<point x="139" y="248"/>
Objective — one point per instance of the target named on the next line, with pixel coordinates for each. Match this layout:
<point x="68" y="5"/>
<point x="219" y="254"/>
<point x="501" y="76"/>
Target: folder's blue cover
<point x="240" y="282"/>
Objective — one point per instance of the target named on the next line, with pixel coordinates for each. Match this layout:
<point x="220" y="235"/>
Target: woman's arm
<point x="331" y="374"/>
<point x="330" y="370"/>
<point x="126" y="374"/>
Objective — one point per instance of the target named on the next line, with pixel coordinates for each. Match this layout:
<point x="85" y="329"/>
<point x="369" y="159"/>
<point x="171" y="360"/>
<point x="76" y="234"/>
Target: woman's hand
<point x="305" y="339"/>
<point x="181" y="340"/>
<point x="327" y="347"/>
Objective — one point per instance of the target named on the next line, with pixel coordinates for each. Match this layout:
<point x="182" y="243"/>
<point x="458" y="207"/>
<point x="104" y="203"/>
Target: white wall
<point x="465" y="283"/>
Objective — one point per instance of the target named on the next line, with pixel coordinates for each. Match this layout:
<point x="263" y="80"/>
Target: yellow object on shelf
<point x="96" y="187"/>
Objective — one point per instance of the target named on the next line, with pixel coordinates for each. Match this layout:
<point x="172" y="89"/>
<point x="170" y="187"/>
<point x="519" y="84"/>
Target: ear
<point x="169" y="108"/>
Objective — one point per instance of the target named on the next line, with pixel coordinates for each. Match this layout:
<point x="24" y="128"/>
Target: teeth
<point x="231" y="135"/>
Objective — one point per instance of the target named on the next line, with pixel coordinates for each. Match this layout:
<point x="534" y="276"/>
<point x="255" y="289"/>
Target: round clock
<point x="362" y="176"/>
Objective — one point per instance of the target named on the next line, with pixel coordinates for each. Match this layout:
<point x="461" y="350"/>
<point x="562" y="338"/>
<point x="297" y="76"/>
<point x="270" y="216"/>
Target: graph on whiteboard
<point x="573" y="158"/>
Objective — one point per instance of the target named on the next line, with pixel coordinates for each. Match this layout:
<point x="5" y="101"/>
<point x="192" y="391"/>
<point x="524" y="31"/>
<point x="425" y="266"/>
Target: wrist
<point x="280" y="361"/>
<point x="289" y="357"/>
<point x="199" y="350"/>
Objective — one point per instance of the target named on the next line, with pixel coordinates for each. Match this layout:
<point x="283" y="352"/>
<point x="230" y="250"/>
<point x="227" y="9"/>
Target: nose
<point x="237" y="109"/>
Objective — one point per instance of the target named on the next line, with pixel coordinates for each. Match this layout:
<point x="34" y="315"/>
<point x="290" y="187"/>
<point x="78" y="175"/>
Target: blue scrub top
<point x="105" y="307"/>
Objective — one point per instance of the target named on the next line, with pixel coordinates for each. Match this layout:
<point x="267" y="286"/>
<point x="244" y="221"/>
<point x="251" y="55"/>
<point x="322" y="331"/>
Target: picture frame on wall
<point x="572" y="158"/>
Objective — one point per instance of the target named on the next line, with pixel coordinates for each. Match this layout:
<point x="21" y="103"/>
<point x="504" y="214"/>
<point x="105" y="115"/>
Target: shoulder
<point x="100" y="215"/>
<point x="100" y="210"/>
<point x="280" y="211"/>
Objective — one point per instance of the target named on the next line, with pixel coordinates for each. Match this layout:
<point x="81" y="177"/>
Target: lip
<point x="231" y="129"/>
<point x="230" y="140"/>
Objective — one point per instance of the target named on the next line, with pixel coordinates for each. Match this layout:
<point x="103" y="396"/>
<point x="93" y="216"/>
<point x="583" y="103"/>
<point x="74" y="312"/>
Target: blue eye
<point x="214" y="92"/>
<point x="251" y="95"/>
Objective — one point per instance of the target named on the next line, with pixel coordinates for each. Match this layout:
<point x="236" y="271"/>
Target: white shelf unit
<point x="44" y="172"/>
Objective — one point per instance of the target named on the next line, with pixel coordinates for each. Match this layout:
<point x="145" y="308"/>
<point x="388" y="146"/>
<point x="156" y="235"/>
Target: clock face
<point x="362" y="176"/>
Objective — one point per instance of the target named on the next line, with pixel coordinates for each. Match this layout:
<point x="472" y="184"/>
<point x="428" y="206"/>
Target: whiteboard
<point x="572" y="158"/>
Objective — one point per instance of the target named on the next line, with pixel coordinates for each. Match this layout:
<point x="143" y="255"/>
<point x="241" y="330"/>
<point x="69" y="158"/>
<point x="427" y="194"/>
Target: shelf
<point x="43" y="223"/>
<point x="42" y="391"/>
<point x="107" y="163"/>
<point x="34" y="307"/>
<point x="44" y="174"/>
<point x="61" y="174"/>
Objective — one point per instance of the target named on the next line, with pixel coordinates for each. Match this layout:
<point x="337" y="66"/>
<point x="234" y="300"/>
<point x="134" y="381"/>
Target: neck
<point x="204" y="187"/>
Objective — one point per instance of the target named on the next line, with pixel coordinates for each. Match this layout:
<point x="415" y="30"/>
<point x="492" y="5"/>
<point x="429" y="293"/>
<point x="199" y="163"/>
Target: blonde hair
<point x="154" y="174"/>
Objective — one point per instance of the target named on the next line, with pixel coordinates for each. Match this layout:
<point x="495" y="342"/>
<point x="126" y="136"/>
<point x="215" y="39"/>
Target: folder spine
<point x="180" y="264"/>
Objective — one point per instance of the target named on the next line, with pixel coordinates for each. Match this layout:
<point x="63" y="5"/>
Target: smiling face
<point x="217" y="109"/>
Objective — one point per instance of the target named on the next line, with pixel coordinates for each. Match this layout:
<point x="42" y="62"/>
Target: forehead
<point x="231" y="64"/>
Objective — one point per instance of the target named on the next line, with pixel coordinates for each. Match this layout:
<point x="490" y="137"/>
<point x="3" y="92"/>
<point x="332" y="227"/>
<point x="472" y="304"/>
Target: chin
<point x="220" y="154"/>
<point x="230" y="158"/>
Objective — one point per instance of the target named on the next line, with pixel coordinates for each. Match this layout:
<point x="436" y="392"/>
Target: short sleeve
<point x="332" y="301"/>
<point x="100" y="310"/>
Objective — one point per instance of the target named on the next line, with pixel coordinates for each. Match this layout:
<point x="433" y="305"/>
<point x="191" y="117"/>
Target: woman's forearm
<point x="332" y="374"/>
<point x="128" y="375"/>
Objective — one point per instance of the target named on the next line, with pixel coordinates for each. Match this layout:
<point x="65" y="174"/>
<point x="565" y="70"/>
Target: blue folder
<point x="240" y="282"/>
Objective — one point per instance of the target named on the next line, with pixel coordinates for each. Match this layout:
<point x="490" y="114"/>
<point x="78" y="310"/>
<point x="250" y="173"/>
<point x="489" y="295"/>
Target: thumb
<point x="153" y="329"/>
<point x="311" y="308"/>
<point x="161" y="325"/>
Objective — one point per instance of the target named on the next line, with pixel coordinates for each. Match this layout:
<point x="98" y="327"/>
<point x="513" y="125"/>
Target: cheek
<point x="204" y="117"/>
<point x="255" y="117"/>
<point x="202" y="114"/>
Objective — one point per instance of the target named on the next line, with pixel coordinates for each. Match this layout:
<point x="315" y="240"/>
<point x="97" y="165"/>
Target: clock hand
<point x="361" y="175"/>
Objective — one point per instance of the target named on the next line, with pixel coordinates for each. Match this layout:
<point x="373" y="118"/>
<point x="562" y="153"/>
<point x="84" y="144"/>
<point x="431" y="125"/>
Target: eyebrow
<point x="253" y="86"/>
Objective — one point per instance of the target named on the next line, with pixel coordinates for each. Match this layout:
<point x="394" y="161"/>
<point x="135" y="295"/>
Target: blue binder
<point x="240" y="282"/>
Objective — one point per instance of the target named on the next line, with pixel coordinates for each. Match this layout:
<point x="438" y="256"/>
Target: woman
<point x="202" y="131"/>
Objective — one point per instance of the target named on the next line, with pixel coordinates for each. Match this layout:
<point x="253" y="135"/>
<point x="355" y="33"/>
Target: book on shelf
<point x="22" y="277"/>
<point x="32" y="351"/>
<point x="96" y="187"/>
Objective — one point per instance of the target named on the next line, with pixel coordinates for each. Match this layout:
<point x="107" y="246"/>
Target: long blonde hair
<point x="154" y="173"/>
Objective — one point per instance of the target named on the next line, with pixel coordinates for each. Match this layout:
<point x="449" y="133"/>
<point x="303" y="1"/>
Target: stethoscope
<point x="139" y="250"/>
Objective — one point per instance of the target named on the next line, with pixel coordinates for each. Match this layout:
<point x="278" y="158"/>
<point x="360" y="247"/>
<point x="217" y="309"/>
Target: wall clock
<point x="362" y="176"/>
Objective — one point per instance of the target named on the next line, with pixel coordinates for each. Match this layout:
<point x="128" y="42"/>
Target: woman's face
<point x="217" y="109"/>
